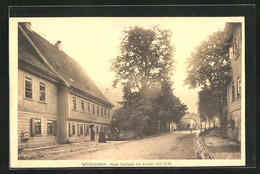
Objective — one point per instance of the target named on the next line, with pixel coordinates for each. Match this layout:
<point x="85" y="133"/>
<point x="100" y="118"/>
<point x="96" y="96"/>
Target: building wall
<point x="33" y="108"/>
<point x="234" y="106"/>
<point x="86" y="117"/>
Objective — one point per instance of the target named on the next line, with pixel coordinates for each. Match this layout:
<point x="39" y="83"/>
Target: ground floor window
<point x="81" y="130"/>
<point x="87" y="130"/>
<point x="49" y="127"/>
<point x="38" y="126"/>
<point x="73" y="129"/>
<point x="97" y="129"/>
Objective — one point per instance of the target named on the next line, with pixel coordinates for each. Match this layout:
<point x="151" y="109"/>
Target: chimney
<point x="58" y="45"/>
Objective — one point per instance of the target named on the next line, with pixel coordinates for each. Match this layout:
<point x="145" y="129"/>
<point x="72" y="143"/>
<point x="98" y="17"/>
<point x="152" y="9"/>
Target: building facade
<point x="57" y="100"/>
<point x="234" y="42"/>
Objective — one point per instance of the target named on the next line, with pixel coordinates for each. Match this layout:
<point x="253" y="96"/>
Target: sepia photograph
<point x="127" y="91"/>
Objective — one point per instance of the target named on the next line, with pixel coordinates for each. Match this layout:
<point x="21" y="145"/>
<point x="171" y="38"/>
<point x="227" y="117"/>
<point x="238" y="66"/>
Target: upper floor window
<point x="88" y="107"/>
<point x="238" y="87"/>
<point x="236" y="45"/>
<point x="82" y="105"/>
<point x="74" y="100"/>
<point x="233" y="91"/>
<point x="105" y="112"/>
<point x="28" y="87"/>
<point x="101" y="111"/>
<point x="93" y="109"/>
<point x="97" y="110"/>
<point x="108" y="114"/>
<point x="42" y="92"/>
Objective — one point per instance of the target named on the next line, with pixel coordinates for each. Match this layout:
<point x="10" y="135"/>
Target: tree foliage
<point x="208" y="68"/>
<point x="145" y="58"/>
<point x="144" y="67"/>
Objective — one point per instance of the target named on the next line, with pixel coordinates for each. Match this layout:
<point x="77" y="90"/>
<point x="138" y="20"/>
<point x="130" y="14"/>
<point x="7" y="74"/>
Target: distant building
<point x="234" y="42"/>
<point x="57" y="100"/>
<point x="190" y="121"/>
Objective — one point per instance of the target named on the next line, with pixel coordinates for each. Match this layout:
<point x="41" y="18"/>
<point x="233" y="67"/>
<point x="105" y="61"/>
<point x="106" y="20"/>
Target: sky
<point x="94" y="42"/>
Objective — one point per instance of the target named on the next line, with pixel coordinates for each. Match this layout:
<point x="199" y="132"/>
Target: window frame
<point x="236" y="44"/>
<point x="52" y="132"/>
<point x="32" y="86"/>
<point x="88" y="107"/>
<point x="41" y="133"/>
<point x="108" y="114"/>
<point x="93" y="109"/>
<point x="81" y="133"/>
<point x="98" y="110"/>
<point x="82" y="105"/>
<point x="233" y="91"/>
<point x="105" y="112"/>
<point x="102" y="114"/>
<point x="73" y="124"/>
<point x="45" y="101"/>
<point x="74" y="105"/>
<point x="238" y="88"/>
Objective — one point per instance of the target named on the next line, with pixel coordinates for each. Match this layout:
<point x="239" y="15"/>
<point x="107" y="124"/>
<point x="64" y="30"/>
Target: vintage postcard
<point x="127" y="91"/>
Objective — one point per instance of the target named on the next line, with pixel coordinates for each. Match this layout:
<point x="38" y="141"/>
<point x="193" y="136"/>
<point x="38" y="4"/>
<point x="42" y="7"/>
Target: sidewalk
<point x="221" y="148"/>
<point x="62" y="150"/>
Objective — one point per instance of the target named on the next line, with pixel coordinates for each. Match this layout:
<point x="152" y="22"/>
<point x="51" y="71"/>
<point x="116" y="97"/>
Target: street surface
<point x="178" y="145"/>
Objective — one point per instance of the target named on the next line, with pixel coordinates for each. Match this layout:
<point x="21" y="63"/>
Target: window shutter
<point x="69" y="129"/>
<point x="78" y="129"/>
<point x="54" y="126"/>
<point x="33" y="126"/>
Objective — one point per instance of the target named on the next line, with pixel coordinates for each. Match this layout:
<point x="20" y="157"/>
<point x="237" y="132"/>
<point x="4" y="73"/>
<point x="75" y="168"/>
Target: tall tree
<point x="144" y="67"/>
<point x="145" y="58"/>
<point x="208" y="68"/>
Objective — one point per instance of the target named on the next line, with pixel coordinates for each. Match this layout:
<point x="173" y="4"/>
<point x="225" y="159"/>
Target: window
<point x="49" y="127"/>
<point x="87" y="130"/>
<point x="97" y="129"/>
<point x="236" y="45"/>
<point x="233" y="91"/>
<point x="88" y="107"/>
<point x="38" y="126"/>
<point x="108" y="113"/>
<point x="28" y="87"/>
<point x="101" y="111"/>
<point x="238" y="87"/>
<point x="73" y="129"/>
<point x="105" y="112"/>
<point x="42" y="92"/>
<point x="74" y="100"/>
<point x="93" y="109"/>
<point x="97" y="110"/>
<point x="82" y="105"/>
<point x="81" y="129"/>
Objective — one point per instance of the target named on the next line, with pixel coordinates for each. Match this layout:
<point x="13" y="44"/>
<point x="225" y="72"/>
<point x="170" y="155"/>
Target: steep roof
<point x="61" y="64"/>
